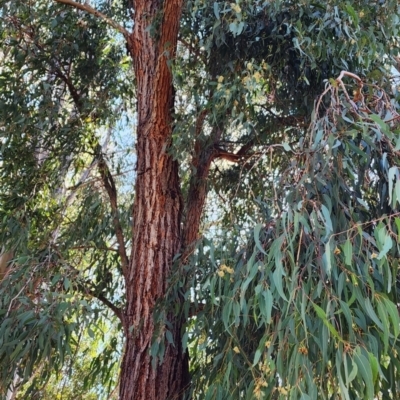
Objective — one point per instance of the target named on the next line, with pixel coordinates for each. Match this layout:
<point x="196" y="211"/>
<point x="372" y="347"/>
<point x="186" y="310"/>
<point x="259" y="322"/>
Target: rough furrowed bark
<point x="157" y="209"/>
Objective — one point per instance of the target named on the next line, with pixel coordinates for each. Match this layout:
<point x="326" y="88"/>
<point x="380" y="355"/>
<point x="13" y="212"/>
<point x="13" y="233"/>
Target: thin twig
<point x="93" y="247"/>
<point x="299" y="248"/>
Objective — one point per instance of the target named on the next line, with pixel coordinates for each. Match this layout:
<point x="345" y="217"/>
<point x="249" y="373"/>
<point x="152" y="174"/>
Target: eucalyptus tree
<point x="225" y="102"/>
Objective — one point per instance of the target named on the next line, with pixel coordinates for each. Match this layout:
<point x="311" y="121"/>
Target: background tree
<point x="224" y="94"/>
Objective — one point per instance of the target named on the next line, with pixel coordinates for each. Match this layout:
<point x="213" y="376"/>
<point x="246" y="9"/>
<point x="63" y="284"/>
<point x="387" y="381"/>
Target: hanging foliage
<point x="307" y="308"/>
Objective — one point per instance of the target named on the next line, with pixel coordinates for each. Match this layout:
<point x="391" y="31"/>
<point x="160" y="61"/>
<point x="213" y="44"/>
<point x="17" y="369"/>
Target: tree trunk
<point x="157" y="208"/>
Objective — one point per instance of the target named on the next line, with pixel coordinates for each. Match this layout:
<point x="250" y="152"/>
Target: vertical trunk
<point x="157" y="209"/>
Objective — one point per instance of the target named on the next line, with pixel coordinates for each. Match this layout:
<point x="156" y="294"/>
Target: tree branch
<point x="241" y="155"/>
<point x="203" y="155"/>
<point x="117" y="311"/>
<point x="83" y="288"/>
<point x="87" y="8"/>
<point x="106" y="177"/>
<point x="86" y="291"/>
<point x="111" y="190"/>
<point x="72" y="89"/>
<point x="188" y="46"/>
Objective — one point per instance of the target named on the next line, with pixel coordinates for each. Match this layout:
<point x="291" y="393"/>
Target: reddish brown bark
<point x="196" y="195"/>
<point x="157" y="208"/>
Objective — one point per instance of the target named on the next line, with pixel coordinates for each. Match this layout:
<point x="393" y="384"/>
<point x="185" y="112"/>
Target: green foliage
<point x="61" y="83"/>
<point x="259" y="85"/>
<point x="298" y="298"/>
<point x="83" y="375"/>
<point x="307" y="308"/>
<point x="60" y="75"/>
